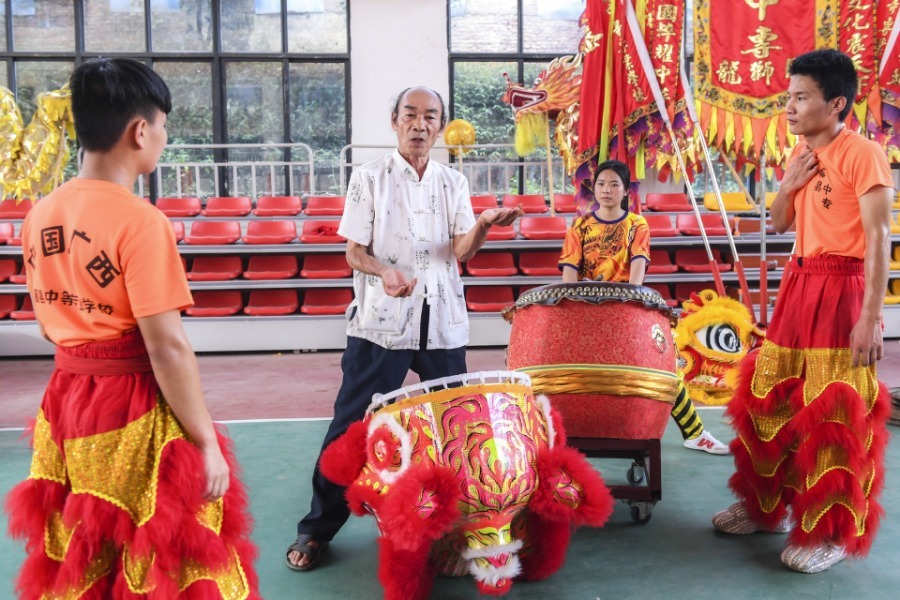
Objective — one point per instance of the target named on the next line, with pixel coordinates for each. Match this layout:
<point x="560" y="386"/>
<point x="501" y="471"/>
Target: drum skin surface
<point x="598" y="324"/>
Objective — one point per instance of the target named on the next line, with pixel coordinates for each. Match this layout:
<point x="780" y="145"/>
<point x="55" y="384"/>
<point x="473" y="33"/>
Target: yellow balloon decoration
<point x="458" y="132"/>
<point x="32" y="158"/>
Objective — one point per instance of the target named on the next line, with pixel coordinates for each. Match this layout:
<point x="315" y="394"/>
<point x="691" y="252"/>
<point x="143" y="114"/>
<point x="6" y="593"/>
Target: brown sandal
<point x="301" y="545"/>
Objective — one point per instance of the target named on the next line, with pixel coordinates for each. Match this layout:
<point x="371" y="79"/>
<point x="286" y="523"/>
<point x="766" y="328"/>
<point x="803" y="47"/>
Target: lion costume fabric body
<point x="473" y="479"/>
<point x="712" y="336"/>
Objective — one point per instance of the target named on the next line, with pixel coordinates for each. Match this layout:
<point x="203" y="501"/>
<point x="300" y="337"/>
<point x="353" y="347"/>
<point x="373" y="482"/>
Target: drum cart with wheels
<point x="644" y="475"/>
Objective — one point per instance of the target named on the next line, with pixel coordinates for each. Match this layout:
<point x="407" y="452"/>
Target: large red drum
<point x="602" y="352"/>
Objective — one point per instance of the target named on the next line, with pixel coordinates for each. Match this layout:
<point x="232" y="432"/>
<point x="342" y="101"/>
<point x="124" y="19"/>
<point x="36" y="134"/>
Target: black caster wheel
<point x="635" y="474"/>
<point x="641" y="514"/>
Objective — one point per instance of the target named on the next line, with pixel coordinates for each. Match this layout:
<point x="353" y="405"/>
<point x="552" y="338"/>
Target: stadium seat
<point x="325" y="266"/>
<point x="482" y="203"/>
<point x="270" y="232"/>
<point x="543" y="228"/>
<point x="19" y="278"/>
<point x="712" y="224"/>
<point x="660" y="262"/>
<point x="524" y="288"/>
<point x="668" y="202"/>
<point x="539" y="264"/>
<point x="487" y="298"/>
<point x="7" y="230"/>
<point x="7" y="305"/>
<point x="271" y="303"/>
<point x="529" y="203"/>
<point x="326" y="301"/>
<point x="9" y="209"/>
<point x="501" y="232"/>
<point x="178" y="228"/>
<point x="278" y="266"/>
<point x="189" y="206"/>
<point x="894" y="265"/>
<point x="25" y="313"/>
<point x="216" y="304"/>
<point x="660" y="226"/>
<point x="15" y="241"/>
<point x="683" y="290"/>
<point x="492" y="264"/>
<point x="745" y="225"/>
<point x="321" y="232"/>
<point x="895" y="223"/>
<point x="278" y="206"/>
<point x="770" y="198"/>
<point x="773" y="261"/>
<point x="209" y="233"/>
<point x="663" y="289"/>
<point x="564" y="203"/>
<point x="215" y="268"/>
<point x="695" y="260"/>
<point x="7" y="267"/>
<point x="325" y="206"/>
<point x="227" y="206"/>
<point x="733" y="201"/>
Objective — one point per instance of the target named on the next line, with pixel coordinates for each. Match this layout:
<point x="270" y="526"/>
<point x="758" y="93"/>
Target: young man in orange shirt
<point x="132" y="490"/>
<point x="809" y="413"/>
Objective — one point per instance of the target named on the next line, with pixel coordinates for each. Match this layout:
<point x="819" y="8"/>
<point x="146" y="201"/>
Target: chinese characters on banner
<point x="888" y="48"/>
<point x="743" y="49"/>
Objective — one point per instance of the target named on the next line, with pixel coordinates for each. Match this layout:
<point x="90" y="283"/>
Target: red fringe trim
<point x="566" y="467"/>
<point x="405" y="575"/>
<point x="545" y="552"/>
<point x="344" y="458"/>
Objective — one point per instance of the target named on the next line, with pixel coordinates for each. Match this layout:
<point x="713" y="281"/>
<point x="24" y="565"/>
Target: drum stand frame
<point x="646" y="455"/>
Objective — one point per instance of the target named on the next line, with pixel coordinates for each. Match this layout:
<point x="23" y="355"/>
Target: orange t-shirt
<point x="827" y="208"/>
<point x="603" y="250"/>
<point x="97" y="258"/>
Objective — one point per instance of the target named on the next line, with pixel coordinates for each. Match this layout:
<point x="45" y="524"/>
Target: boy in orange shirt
<point x="132" y="489"/>
<point x="809" y="413"/>
<point x="613" y="244"/>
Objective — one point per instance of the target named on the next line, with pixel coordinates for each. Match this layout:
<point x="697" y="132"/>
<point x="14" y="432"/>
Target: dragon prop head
<point x="556" y="89"/>
<point x="713" y="334"/>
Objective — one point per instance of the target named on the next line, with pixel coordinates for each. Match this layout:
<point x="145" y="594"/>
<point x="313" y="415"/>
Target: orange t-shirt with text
<point x="97" y="258"/>
<point x="827" y="208"/>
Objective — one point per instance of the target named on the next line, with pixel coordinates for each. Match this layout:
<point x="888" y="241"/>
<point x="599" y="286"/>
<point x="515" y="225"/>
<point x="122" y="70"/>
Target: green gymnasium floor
<point x="677" y="555"/>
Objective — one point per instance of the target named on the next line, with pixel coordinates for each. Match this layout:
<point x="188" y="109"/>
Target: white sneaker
<point x="706" y="442"/>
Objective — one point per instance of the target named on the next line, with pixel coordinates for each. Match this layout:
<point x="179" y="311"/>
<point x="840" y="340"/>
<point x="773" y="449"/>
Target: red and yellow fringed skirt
<point x="811" y="428"/>
<point x="113" y="506"/>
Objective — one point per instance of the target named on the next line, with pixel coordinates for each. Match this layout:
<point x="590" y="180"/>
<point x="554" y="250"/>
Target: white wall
<point x="394" y="44"/>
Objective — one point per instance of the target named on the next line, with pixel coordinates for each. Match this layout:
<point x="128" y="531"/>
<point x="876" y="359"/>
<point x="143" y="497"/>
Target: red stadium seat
<point x="663" y="289"/>
<point x="683" y="290"/>
<point x="10" y="209"/>
<point x="325" y="205"/>
<point x="321" y="232"/>
<point x="280" y="266"/>
<point x="271" y="303"/>
<point x="687" y="225"/>
<point x="178" y="228"/>
<point x="26" y="313"/>
<point x="270" y="232"/>
<point x="7" y="268"/>
<point x="695" y="260"/>
<point x="660" y="263"/>
<point x="482" y="203"/>
<point x="227" y="206"/>
<point x="525" y="288"/>
<point x="539" y="264"/>
<point x="745" y="225"/>
<point x="188" y="206"/>
<point x="325" y="266"/>
<point x="326" y="302"/>
<point x="278" y="206"/>
<point x="660" y="226"/>
<point x="7" y="230"/>
<point x="215" y="268"/>
<point x="564" y="203"/>
<point x="668" y="202"/>
<point x="543" y="228"/>
<point x="7" y="305"/>
<point x="19" y="278"/>
<point x="529" y="203"/>
<point x="501" y="232"/>
<point x="15" y="241"/>
<point x="216" y="304"/>
<point x="486" y="298"/>
<point x="492" y="264"/>
<point x="207" y="233"/>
